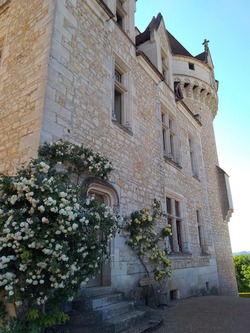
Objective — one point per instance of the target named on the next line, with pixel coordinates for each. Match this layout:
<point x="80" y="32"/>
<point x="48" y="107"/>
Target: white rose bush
<point x="50" y="235"/>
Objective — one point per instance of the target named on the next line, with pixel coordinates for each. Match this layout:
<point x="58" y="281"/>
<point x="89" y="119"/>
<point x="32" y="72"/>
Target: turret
<point x="194" y="76"/>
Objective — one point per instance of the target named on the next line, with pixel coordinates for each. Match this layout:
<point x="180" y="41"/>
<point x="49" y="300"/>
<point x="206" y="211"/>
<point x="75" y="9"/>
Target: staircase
<point x="100" y="310"/>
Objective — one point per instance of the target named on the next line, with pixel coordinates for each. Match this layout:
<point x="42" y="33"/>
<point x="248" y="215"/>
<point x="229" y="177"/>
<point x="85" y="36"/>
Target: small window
<point x="118" y="76"/>
<point x="120" y="14"/>
<point x="191" y="66"/>
<point x="174" y="294"/>
<point x="198" y="220"/>
<point x="119" y="19"/>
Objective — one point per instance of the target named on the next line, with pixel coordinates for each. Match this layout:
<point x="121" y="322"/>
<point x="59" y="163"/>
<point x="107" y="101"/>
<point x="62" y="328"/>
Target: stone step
<point x="80" y="323"/>
<point x="76" y="327"/>
<point x="114" y="310"/>
<point x="126" y="321"/>
<point x="95" y="291"/>
<point x="92" y="303"/>
<point x="138" y="321"/>
<point x="150" y="323"/>
<point x="109" y="313"/>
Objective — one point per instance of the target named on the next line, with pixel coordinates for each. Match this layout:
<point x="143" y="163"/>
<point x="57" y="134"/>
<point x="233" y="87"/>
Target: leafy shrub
<point x="147" y="243"/>
<point x="242" y="271"/>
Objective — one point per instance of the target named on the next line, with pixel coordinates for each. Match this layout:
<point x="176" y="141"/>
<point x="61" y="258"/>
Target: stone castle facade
<point x="79" y="70"/>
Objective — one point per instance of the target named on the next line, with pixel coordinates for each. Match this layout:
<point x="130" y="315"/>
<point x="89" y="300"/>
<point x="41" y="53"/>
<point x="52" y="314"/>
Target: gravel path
<point x="208" y="314"/>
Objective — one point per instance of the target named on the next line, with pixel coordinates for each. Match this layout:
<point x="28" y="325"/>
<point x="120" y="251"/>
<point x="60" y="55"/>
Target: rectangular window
<point x="193" y="157"/>
<point x="119" y="91"/>
<point x="200" y="232"/>
<point x="175" y="220"/>
<point x="118" y="106"/>
<point x="178" y="233"/>
<point x="118" y="76"/>
<point x="120" y="14"/>
<point x="191" y="66"/>
<point x="164" y="61"/>
<point x="168" y="202"/>
<point x="169" y="137"/>
<point x="199" y="227"/>
<point x="177" y="208"/>
<point x="121" y="112"/>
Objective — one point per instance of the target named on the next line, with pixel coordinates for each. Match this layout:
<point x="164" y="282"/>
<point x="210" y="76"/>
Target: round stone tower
<point x="197" y="88"/>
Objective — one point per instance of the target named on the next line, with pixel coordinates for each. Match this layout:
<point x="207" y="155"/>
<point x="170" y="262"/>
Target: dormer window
<point x="120" y="13"/>
<point x="164" y="64"/>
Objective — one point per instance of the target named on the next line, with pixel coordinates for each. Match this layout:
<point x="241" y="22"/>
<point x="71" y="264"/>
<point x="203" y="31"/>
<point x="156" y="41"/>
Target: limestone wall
<point x="57" y="81"/>
<point x="25" y="30"/>
<point x="78" y="107"/>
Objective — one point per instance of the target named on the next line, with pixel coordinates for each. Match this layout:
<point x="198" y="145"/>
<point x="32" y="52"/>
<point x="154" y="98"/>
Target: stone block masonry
<point x="25" y="29"/>
<point x="57" y="81"/>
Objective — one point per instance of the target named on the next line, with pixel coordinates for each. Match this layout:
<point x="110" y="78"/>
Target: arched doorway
<point x="104" y="194"/>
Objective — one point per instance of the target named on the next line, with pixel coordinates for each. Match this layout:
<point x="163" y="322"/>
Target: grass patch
<point x="245" y="294"/>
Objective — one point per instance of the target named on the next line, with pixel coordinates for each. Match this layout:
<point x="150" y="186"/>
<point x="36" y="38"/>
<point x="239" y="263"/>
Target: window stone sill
<point x="196" y="177"/>
<point x="172" y="162"/>
<point x="123" y="128"/>
<point x="180" y="255"/>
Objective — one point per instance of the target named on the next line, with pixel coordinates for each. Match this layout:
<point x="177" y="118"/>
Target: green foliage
<point x="242" y="270"/>
<point x="147" y="242"/>
<point x="244" y="295"/>
<point x="50" y="234"/>
<point x="79" y="158"/>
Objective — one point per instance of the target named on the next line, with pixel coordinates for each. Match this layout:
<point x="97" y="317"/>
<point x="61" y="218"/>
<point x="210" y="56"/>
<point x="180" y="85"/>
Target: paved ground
<point x="208" y="314"/>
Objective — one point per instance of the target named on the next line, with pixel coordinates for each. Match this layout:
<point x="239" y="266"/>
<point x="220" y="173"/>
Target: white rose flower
<point x="41" y="208"/>
<point x="74" y="226"/>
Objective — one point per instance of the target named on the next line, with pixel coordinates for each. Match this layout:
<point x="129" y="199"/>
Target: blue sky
<point x="226" y="24"/>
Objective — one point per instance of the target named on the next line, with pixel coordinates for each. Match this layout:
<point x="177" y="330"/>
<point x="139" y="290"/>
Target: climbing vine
<point x="148" y="240"/>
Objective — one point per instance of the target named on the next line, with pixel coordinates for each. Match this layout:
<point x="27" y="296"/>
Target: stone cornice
<point x="195" y="89"/>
